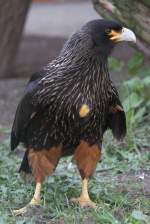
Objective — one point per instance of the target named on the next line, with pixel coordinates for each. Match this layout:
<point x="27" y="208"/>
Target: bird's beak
<point x="124" y="35"/>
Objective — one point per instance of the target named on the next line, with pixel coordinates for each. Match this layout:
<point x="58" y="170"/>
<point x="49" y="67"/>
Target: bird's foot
<point x="22" y="211"/>
<point x="35" y="201"/>
<point x="84" y="202"/>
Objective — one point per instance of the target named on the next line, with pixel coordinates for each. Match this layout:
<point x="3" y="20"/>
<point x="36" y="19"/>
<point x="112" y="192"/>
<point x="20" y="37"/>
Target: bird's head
<point x="106" y="34"/>
<point x="95" y="38"/>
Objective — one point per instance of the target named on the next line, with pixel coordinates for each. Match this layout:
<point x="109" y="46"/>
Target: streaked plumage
<point x="49" y="114"/>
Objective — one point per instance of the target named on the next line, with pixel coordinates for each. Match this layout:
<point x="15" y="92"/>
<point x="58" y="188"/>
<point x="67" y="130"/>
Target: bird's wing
<point x="26" y="111"/>
<point x="117" y="120"/>
<point x="116" y="115"/>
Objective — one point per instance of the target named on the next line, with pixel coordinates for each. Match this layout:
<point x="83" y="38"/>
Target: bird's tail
<point x="25" y="169"/>
<point x="117" y="122"/>
<point x="14" y="141"/>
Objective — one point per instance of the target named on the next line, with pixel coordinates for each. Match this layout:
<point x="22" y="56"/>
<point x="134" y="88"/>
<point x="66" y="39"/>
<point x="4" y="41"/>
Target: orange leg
<point x="43" y="164"/>
<point x="86" y="158"/>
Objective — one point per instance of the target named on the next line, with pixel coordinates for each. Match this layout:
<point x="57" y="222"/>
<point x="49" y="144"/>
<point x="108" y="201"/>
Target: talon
<point x="84" y="203"/>
<point x="20" y="211"/>
<point x="35" y="201"/>
<point x="84" y="200"/>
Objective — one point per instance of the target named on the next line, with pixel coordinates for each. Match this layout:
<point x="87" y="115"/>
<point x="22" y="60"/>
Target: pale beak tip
<point x="134" y="39"/>
<point x="128" y="35"/>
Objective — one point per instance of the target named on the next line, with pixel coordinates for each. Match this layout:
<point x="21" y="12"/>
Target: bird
<point x="68" y="105"/>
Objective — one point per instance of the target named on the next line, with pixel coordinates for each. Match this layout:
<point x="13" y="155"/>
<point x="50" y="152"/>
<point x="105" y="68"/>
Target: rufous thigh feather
<point x="86" y="157"/>
<point x="44" y="162"/>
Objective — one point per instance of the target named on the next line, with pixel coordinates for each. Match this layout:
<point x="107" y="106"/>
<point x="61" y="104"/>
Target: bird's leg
<point x="43" y="163"/>
<point x="84" y="193"/>
<point x="35" y="200"/>
<point x="84" y="199"/>
<point x="86" y="157"/>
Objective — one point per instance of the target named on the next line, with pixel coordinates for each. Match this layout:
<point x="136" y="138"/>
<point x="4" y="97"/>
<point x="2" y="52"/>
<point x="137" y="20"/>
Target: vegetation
<point x="120" y="185"/>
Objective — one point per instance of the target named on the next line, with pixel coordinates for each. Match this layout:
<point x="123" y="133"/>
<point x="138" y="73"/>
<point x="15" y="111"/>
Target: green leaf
<point x="148" y="103"/>
<point x="143" y="72"/>
<point x="135" y="63"/>
<point x="133" y="101"/>
<point x="114" y="64"/>
<point x="139" y="114"/>
<point x="134" y="84"/>
<point x="146" y="81"/>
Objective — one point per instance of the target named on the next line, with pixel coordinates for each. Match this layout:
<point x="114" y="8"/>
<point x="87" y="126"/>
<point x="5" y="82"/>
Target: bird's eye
<point x="107" y="31"/>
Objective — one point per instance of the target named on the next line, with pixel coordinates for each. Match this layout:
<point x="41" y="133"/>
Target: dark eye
<point x="107" y="31"/>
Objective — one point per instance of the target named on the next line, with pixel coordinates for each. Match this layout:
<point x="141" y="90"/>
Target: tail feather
<point x="14" y="141"/>
<point x="117" y="122"/>
<point x="118" y="125"/>
<point x="25" y="167"/>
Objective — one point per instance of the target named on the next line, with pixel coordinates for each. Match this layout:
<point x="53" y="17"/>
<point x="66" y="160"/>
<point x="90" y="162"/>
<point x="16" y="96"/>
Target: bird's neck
<point x="89" y="72"/>
<point x="93" y="68"/>
<point x="95" y="76"/>
<point x="96" y="69"/>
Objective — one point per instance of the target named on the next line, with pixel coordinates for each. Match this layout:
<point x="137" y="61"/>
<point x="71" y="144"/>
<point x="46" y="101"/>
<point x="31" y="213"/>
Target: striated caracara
<point x="67" y="107"/>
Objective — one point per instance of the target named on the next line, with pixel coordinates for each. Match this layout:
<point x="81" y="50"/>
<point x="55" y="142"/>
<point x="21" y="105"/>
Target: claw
<point x="84" y="200"/>
<point x="22" y="211"/>
<point x="34" y="202"/>
<point x="84" y="203"/>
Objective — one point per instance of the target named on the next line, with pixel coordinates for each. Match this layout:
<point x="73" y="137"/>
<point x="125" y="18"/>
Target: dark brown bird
<point x="67" y="107"/>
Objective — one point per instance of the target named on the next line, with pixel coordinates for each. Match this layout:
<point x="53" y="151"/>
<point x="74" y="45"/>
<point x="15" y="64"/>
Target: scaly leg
<point x="43" y="163"/>
<point x="84" y="199"/>
<point x="86" y="157"/>
<point x="35" y="201"/>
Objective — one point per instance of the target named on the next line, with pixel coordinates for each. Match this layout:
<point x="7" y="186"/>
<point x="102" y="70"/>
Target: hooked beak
<point x="124" y="35"/>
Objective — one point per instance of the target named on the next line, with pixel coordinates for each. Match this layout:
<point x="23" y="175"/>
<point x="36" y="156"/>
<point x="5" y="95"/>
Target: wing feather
<point x="117" y="121"/>
<point x="26" y="111"/>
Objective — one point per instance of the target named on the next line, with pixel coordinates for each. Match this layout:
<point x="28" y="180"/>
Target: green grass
<point x="122" y="197"/>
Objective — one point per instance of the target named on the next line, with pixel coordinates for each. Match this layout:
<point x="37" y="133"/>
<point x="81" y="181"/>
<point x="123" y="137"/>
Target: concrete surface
<point x="47" y="27"/>
<point x="58" y="18"/>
